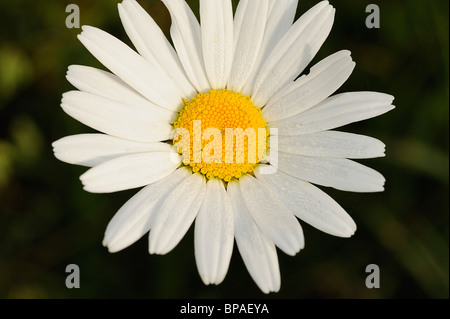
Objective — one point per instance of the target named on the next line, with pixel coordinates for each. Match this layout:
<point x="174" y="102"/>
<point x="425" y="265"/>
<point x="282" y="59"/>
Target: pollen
<point x="221" y="134"/>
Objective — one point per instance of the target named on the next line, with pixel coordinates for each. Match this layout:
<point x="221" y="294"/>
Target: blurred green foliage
<point x="47" y="221"/>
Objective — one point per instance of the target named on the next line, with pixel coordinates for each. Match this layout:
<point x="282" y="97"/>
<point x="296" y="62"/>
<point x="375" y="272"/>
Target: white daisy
<point x="227" y="72"/>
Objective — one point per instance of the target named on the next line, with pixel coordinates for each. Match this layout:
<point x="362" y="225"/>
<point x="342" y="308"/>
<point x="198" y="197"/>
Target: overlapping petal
<point x="293" y="52"/>
<point x="309" y="203"/>
<point x="108" y="85"/>
<point x="257" y="250"/>
<point x="279" y="20"/>
<point x="249" y="28"/>
<point x="151" y="43"/>
<point x="176" y="215"/>
<point x="134" y="218"/>
<point x="272" y="216"/>
<point x="187" y="38"/>
<point x="323" y="79"/>
<point x="145" y="77"/>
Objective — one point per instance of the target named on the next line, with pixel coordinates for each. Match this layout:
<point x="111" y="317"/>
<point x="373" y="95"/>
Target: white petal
<point x="249" y="27"/>
<point x="272" y="216"/>
<point x="216" y="18"/>
<point x="134" y="218"/>
<point x="146" y="78"/>
<point x="280" y="18"/>
<point x="293" y="52"/>
<point x="129" y="172"/>
<point x="115" y="118"/>
<point x="335" y="111"/>
<point x="339" y="173"/>
<point x="257" y="250"/>
<point x="309" y="203"/>
<point x="93" y="149"/>
<point x="105" y="84"/>
<point x="187" y="38"/>
<point x="176" y="214"/>
<point x="322" y="81"/>
<point x="331" y="144"/>
<point x="214" y="234"/>
<point x="151" y="43"/>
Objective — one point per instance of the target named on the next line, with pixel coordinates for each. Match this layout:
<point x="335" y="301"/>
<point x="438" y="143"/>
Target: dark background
<point x="47" y="221"/>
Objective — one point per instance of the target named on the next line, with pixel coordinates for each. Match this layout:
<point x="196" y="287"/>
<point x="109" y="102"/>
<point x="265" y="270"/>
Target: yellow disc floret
<point x="221" y="134"/>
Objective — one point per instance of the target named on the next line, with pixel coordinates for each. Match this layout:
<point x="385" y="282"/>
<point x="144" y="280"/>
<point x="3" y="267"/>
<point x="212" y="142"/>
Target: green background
<point x="47" y="221"/>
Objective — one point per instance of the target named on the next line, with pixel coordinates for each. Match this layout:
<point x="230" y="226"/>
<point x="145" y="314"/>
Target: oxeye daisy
<point x="221" y="132"/>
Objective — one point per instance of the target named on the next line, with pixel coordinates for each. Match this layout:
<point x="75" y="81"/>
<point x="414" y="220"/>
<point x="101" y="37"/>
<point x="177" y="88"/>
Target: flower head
<point x="220" y="129"/>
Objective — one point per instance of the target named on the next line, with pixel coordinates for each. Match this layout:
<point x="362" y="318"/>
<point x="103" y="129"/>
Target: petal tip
<point x="155" y="249"/>
<point x="270" y="289"/>
<point x="349" y="232"/>
<point x="87" y="28"/>
<point x="205" y="279"/>
<point x="56" y="143"/>
<point x="112" y="249"/>
<point x="151" y="250"/>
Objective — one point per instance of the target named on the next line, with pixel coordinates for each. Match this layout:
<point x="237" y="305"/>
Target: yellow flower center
<point x="221" y="134"/>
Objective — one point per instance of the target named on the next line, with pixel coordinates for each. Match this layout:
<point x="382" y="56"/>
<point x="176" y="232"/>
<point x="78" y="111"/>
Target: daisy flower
<point x="164" y="113"/>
